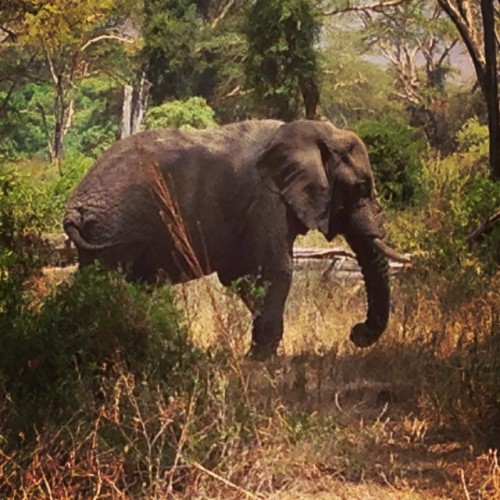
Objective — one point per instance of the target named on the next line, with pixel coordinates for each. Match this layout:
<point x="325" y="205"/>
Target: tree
<point x="55" y="36"/>
<point x="171" y="30"/>
<point x="281" y="65"/>
<point x="195" y="48"/>
<point x="353" y="87"/>
<point x="477" y="22"/>
<point x="416" y="38"/>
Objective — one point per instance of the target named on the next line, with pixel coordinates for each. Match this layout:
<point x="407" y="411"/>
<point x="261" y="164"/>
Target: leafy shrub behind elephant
<point x="191" y="113"/>
<point x="396" y="154"/>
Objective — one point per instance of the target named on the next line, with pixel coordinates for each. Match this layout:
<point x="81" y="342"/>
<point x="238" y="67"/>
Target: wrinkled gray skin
<point x="232" y="200"/>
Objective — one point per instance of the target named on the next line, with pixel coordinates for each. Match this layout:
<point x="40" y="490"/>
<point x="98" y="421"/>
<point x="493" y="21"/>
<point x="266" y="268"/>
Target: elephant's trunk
<point x="375" y="269"/>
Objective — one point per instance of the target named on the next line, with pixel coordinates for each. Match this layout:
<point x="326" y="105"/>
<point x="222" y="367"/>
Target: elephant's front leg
<point x="267" y="329"/>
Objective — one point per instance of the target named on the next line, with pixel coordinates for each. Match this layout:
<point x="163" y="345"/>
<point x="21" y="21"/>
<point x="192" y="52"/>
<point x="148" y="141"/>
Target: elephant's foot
<point x="259" y="352"/>
<point x="363" y="336"/>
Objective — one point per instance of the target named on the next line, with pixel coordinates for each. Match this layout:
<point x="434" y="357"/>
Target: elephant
<point x="232" y="200"/>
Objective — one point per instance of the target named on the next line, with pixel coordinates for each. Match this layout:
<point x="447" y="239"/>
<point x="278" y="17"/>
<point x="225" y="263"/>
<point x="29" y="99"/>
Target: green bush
<point x="192" y="113"/>
<point x="396" y="154"/>
<point x="97" y="324"/>
<point x="474" y="138"/>
<point x="460" y="197"/>
<point x="20" y="238"/>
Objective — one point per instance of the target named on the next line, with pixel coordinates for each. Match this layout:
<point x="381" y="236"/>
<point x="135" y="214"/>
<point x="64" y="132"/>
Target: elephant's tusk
<point x="389" y="252"/>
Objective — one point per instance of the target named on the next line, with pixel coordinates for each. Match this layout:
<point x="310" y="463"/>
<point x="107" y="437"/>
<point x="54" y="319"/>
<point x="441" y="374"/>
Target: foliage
<point x="55" y="42"/>
<point x="353" y="87"/>
<point x="459" y="197"/>
<point x="396" y="154"/>
<point x="465" y="203"/>
<point x="39" y="192"/>
<point x="19" y="235"/>
<point x="55" y="356"/>
<point x="463" y="105"/>
<point x="21" y="126"/>
<point x="57" y="188"/>
<point x="191" y="113"/>
<point x="473" y="137"/>
<point x="281" y="54"/>
<point x="170" y="30"/>
<point x="196" y="49"/>
<point x="96" y="111"/>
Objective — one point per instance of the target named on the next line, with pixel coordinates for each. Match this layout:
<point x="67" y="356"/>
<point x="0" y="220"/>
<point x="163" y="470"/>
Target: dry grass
<point x="407" y="419"/>
<point x="409" y="416"/>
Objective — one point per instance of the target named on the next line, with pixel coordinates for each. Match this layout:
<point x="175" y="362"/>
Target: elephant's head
<point x="324" y="175"/>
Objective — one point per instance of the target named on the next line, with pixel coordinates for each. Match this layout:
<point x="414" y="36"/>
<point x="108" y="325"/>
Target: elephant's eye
<point x="363" y="188"/>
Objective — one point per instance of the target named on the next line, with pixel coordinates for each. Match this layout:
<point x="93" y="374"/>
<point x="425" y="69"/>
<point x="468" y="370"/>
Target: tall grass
<point x="192" y="418"/>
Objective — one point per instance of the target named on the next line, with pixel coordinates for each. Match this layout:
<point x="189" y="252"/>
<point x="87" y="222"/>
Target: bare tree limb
<point x="225" y="11"/>
<point x="446" y="51"/>
<point x="7" y="97"/>
<point x="50" y="64"/>
<point x="376" y="6"/>
<point x="46" y="130"/>
<point x="68" y="118"/>
<point x="463" y="23"/>
<point x="484" y="228"/>
<point x="86" y="45"/>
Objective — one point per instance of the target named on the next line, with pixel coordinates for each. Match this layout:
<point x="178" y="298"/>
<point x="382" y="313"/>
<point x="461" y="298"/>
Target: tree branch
<point x="376" y="6"/>
<point x="7" y="97"/>
<point x="463" y="26"/>
<point x="46" y="130"/>
<point x="446" y="51"/>
<point x="225" y="11"/>
<point x="85" y="46"/>
<point x="484" y="228"/>
<point x="50" y="64"/>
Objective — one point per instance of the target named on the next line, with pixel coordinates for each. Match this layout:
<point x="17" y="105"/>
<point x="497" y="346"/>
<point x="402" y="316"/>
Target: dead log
<point x="477" y="235"/>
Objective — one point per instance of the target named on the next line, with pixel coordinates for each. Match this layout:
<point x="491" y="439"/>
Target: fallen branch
<point x="317" y="253"/>
<point x="484" y="228"/>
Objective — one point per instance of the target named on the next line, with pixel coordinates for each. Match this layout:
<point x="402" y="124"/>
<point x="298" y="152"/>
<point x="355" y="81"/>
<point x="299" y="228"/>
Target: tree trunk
<point x="134" y="107"/>
<point x="140" y="105"/>
<point x="64" y="117"/>
<point x="126" y="111"/>
<point x="310" y="95"/>
<point x="491" y="86"/>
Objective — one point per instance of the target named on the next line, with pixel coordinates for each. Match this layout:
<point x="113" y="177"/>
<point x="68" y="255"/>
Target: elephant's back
<point x="144" y="182"/>
<point x="129" y="160"/>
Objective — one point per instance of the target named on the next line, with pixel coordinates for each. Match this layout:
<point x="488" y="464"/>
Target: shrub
<point x="474" y="138"/>
<point x="94" y="324"/>
<point x="396" y="154"/>
<point x="192" y="113"/>
<point x="20" y="242"/>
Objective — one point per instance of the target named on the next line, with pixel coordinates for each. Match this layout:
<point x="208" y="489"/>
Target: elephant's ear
<point x="295" y="161"/>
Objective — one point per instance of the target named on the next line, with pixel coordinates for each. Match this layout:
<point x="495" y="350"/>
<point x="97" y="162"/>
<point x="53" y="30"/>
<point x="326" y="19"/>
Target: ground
<point x="387" y="441"/>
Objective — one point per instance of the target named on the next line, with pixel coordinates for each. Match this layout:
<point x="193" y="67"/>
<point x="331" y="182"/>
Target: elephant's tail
<point x="72" y="229"/>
